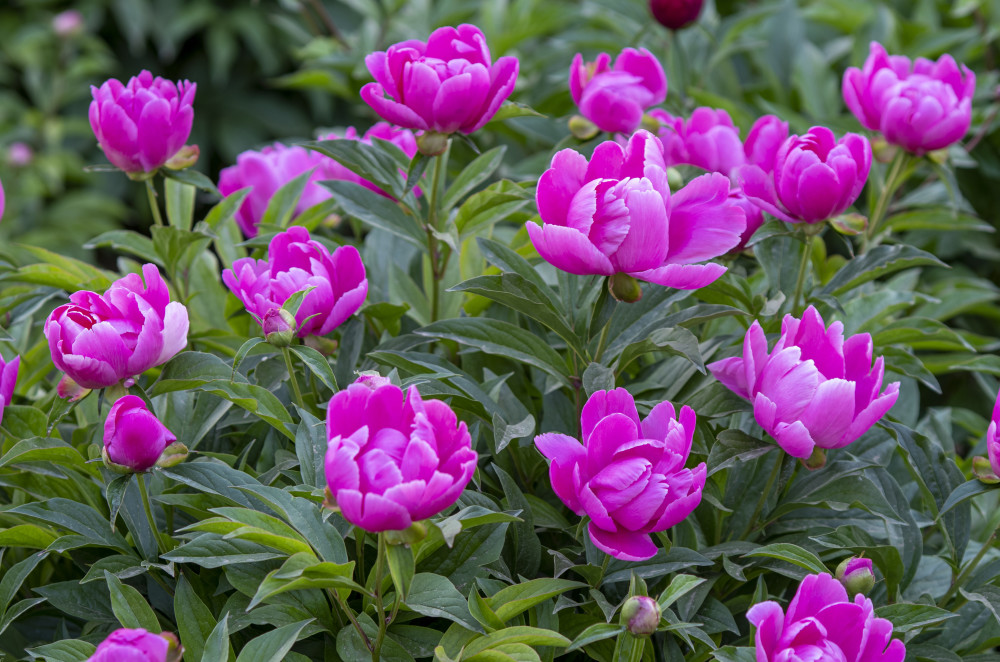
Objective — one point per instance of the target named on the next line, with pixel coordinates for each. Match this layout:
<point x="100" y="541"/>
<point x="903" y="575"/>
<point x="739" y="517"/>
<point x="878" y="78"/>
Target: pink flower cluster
<point x="615" y="98"/>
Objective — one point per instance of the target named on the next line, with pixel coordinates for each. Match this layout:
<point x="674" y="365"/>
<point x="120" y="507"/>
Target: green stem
<point x="291" y="377"/>
<point x="379" y="606"/>
<point x="637" y="648"/>
<point x="149" y="512"/>
<point x="432" y="243"/>
<point x="350" y="616"/>
<point x="803" y="267"/>
<point x="153" y="205"/>
<point x="969" y="568"/>
<point x="775" y="472"/>
<point x="603" y="341"/>
<point x="893" y="180"/>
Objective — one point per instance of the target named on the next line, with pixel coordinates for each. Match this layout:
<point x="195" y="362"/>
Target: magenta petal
<point x="569" y="250"/>
<point x="769" y="620"/>
<point x="732" y="373"/>
<point x="390" y="110"/>
<point x="623" y="545"/>
<point x="704" y="223"/>
<point x="682" y="276"/>
<point x="814" y="593"/>
<point x="794" y="439"/>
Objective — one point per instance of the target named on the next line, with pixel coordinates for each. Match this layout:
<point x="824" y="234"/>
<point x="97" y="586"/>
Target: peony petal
<point x="569" y="250"/>
<point x="623" y="545"/>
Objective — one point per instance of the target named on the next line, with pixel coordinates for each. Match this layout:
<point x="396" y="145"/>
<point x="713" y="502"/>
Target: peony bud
<point x="641" y="615"/>
<point x="816" y="460"/>
<point x="582" y="128"/>
<point x="19" y="154"/>
<point x="983" y="470"/>
<point x="372" y="379"/>
<point x="172" y="455"/>
<point x="185" y="157"/>
<point x="134" y="439"/>
<point x="279" y="327"/>
<point x="676" y="14"/>
<point x="857" y="575"/>
<point x="624" y="288"/>
<point x="849" y="224"/>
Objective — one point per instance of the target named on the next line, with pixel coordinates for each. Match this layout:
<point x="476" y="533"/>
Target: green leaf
<point x="484" y="209"/>
<point x="504" y="433"/>
<point x="595" y="632"/>
<point x="127" y="241"/>
<point x="179" y="199"/>
<point x="502" y="339"/>
<point x="211" y="551"/>
<point x="472" y="176"/>
<point x="15" y="576"/>
<point x="513" y="600"/>
<point x="350" y="645"/>
<point x="310" y="447"/>
<point x="379" y="162"/>
<point x="44" y="449"/>
<point x="434" y="596"/>
<point x="507" y="259"/>
<point x="907" y="617"/>
<point x="792" y="554"/>
<point x="30" y="536"/>
<point x="24" y="422"/>
<point x="734" y="654"/>
<point x="520" y="294"/>
<point x="511" y="109"/>
<point x="195" y="622"/>
<point x="78" y="518"/>
<point x="304" y="571"/>
<point x="734" y="447"/>
<point x="317" y="364"/>
<point x="67" y="650"/>
<point x="271" y="647"/>
<point x="598" y="377"/>
<point x="679" y="586"/>
<point x="281" y="208"/>
<point x="521" y="634"/>
<point x="938" y="219"/>
<point x="129" y="606"/>
<point x="674" y="341"/>
<point x="221" y="223"/>
<point x="217" y="644"/>
<point x="243" y="351"/>
<point x="878" y="262"/>
<point x="987" y="595"/>
<point x="481" y="611"/>
<point x="193" y="178"/>
<point x="377" y="211"/>
<point x="964" y="491"/>
<point x="401" y="567"/>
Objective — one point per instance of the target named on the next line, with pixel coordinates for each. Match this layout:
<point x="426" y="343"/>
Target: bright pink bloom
<point x="815" y="388"/>
<point x="676" y="14"/>
<point x="294" y="263"/>
<point x="142" y="124"/>
<point x="815" y="176"/>
<point x="100" y="340"/>
<point x="391" y="462"/>
<point x="125" y="645"/>
<point x="274" y="166"/>
<point x="708" y="140"/>
<point x="628" y="476"/>
<point x="67" y="23"/>
<point x="920" y="106"/>
<point x="822" y="624"/>
<point x="446" y="85"/>
<point x="615" y="214"/>
<point x="753" y="213"/>
<point x="615" y="98"/>
<point x="993" y="439"/>
<point x="133" y="436"/>
<point x="8" y="378"/>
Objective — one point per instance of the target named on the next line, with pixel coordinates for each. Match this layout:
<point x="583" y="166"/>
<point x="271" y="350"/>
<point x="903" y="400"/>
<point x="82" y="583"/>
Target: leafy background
<point x="515" y="348"/>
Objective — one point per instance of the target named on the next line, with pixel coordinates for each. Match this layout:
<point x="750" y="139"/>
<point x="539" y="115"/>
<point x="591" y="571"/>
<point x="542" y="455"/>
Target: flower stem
<point x="291" y="377"/>
<point x="437" y="272"/>
<point x="149" y="512"/>
<point x="893" y="180"/>
<point x="350" y="616"/>
<point x="379" y="606"/>
<point x="957" y="584"/>
<point x="803" y="267"/>
<point x="775" y="472"/>
<point x="154" y="206"/>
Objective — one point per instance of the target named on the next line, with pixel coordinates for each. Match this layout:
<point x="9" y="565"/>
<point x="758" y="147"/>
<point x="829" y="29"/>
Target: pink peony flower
<point x="765" y="138"/>
<point x="814" y="388"/>
<point x="920" y="106"/>
<point x="815" y="176"/>
<point x="125" y="645"/>
<point x="67" y="23"/>
<point x="272" y="167"/>
<point x="100" y="340"/>
<point x="708" y="140"/>
<point x="993" y="439"/>
<point x="134" y="437"/>
<point x="615" y="98"/>
<point x="615" y="214"/>
<point x="294" y="263"/>
<point x="8" y="378"/>
<point x="392" y="462"/>
<point x="446" y="85"/>
<point x="822" y="624"/>
<point x="142" y="124"/>
<point x="628" y="476"/>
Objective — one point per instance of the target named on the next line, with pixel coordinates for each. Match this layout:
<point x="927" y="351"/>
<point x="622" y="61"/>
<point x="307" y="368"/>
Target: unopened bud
<point x="676" y="14"/>
<point x="882" y="150"/>
<point x="624" y="288"/>
<point x="413" y="534"/>
<point x="857" y="575"/>
<point x="279" y="327"/>
<point x="849" y="224"/>
<point x="185" y="157"/>
<point x="68" y="23"/>
<point x="640" y="615"/>
<point x="172" y="455"/>
<point x="582" y="128"/>
<point x="112" y="465"/>
<point x="432" y="143"/>
<point x="650" y="123"/>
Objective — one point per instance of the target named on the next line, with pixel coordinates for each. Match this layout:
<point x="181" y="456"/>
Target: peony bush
<point x="591" y="377"/>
